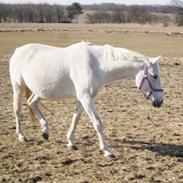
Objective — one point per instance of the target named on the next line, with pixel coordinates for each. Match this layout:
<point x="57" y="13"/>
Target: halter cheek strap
<point x="145" y="78"/>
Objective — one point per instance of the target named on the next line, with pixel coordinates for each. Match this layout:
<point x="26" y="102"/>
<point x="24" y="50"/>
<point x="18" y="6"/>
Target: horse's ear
<point x="154" y="60"/>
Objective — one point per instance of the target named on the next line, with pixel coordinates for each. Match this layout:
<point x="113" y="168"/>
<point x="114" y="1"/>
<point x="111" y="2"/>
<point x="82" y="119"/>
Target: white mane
<point x="116" y="54"/>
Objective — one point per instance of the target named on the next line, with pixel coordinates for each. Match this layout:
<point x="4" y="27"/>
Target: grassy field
<point x="147" y="39"/>
<point x="147" y="141"/>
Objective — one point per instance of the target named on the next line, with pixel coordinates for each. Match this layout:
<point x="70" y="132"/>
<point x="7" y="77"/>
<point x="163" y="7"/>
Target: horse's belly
<point x="52" y="89"/>
<point x="55" y="92"/>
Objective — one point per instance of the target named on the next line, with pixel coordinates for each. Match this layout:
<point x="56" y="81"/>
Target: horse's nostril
<point x="157" y="103"/>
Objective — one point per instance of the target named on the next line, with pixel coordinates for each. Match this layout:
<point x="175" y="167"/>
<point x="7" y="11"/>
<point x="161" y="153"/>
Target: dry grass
<point x="156" y="28"/>
<point x="151" y="40"/>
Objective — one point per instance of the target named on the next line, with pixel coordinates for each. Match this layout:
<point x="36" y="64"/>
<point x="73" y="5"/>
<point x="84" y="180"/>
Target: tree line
<point x="127" y="14"/>
<point x="39" y="13"/>
<point x="117" y="13"/>
<point x="100" y="13"/>
<point x="114" y="7"/>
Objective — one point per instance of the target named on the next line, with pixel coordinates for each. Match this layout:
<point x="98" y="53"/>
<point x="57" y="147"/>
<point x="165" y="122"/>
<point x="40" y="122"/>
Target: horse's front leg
<point x="88" y="105"/>
<point x="33" y="102"/>
<point x="70" y="134"/>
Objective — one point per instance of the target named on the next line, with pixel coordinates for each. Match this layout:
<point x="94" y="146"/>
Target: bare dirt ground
<point x="148" y="142"/>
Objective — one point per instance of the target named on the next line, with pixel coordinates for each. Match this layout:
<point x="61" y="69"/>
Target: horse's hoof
<point x="22" y="138"/>
<point x="72" y="147"/>
<point x="112" y="157"/>
<point x="45" y="136"/>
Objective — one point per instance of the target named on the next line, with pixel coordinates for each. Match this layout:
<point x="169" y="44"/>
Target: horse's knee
<point x="98" y="121"/>
<point x="98" y="126"/>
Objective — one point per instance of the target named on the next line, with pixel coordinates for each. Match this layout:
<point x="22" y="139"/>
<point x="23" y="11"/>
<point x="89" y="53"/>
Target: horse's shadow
<point x="163" y="149"/>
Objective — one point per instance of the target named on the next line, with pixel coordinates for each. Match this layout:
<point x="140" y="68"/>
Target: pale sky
<point x="67" y="2"/>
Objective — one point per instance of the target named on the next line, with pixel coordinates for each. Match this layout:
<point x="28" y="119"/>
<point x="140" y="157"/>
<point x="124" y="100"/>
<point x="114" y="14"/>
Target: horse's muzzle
<point x="157" y="103"/>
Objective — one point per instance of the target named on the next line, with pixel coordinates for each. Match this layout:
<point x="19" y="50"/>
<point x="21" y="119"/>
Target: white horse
<point x="79" y="70"/>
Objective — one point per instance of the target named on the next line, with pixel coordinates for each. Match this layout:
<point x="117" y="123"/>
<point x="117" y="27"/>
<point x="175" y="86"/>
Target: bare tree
<point x="74" y="10"/>
<point x="99" y="17"/>
<point x="138" y="14"/>
<point x="178" y="4"/>
<point x="119" y="16"/>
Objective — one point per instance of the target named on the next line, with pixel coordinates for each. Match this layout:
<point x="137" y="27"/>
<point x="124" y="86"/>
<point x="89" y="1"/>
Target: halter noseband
<point x="152" y="89"/>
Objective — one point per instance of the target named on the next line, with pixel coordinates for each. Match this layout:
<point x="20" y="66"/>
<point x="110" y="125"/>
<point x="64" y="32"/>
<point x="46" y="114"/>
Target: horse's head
<point x="148" y="81"/>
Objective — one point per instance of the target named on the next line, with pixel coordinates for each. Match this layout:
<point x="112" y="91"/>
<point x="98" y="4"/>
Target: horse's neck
<point x="115" y="70"/>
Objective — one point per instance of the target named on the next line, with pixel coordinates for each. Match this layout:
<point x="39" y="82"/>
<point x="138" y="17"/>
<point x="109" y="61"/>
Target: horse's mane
<point x="119" y="54"/>
<point x="116" y="54"/>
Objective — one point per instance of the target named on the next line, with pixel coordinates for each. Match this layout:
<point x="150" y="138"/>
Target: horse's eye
<point x="155" y="76"/>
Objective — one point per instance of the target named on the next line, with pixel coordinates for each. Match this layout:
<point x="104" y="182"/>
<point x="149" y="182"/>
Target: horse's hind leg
<point x="33" y="102"/>
<point x="17" y="98"/>
<point x="70" y="134"/>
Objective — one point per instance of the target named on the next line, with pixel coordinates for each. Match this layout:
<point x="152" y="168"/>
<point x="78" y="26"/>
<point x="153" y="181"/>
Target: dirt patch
<point x="147" y="141"/>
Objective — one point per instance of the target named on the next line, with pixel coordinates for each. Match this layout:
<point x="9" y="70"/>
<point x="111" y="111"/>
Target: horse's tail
<point x="28" y="93"/>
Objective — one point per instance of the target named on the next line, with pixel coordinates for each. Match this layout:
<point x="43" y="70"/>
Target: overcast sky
<point x="66" y="2"/>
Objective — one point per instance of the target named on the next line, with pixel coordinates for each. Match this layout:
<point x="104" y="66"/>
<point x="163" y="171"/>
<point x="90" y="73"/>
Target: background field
<point x="147" y="141"/>
<point x="149" y="39"/>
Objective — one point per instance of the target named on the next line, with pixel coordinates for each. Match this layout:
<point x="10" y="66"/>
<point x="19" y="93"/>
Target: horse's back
<point x="24" y="54"/>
